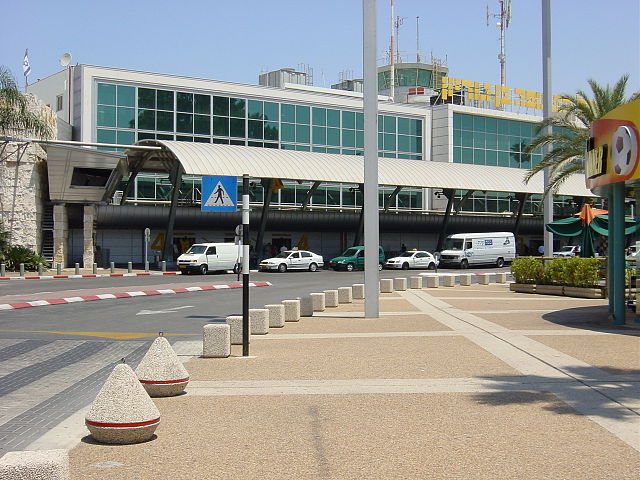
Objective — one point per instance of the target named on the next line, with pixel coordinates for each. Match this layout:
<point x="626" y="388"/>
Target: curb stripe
<point x="107" y="296"/>
<point x="122" y="425"/>
<point x="89" y="275"/>
<point x="164" y="382"/>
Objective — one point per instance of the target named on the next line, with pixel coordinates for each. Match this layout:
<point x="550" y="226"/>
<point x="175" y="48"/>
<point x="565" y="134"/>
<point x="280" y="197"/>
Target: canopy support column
<point x="449" y="193"/>
<point x="462" y="200"/>
<point x="176" y="181"/>
<point x="310" y="192"/>
<point x="391" y="197"/>
<point x="267" y="188"/>
<point x="358" y="238"/>
<point x="137" y="166"/>
<point x="522" y="199"/>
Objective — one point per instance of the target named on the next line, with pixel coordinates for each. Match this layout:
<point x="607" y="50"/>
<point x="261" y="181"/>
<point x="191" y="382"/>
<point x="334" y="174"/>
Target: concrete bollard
<point x="21" y="268"/>
<point x="415" y="282"/>
<point x="306" y="306"/>
<point x="483" y="279"/>
<point x="161" y="372"/>
<point x="59" y="269"/>
<point x="465" y="279"/>
<point x="40" y="269"/>
<point x="35" y="464"/>
<point x="345" y="295"/>
<point x="122" y="412"/>
<point x="258" y="321"/>
<point x="216" y="340"/>
<point x="386" y="285"/>
<point x="448" y="280"/>
<point x="146" y="265"/>
<point x="432" y="281"/>
<point x="77" y="269"/>
<point x="501" y="278"/>
<point x="291" y="310"/>
<point x="3" y="269"/>
<point x="163" y="266"/>
<point x="112" y="267"/>
<point x="400" y="284"/>
<point x="276" y="315"/>
<point x="129" y="267"/>
<point x="358" y="291"/>
<point x="95" y="268"/>
<point x="235" y="328"/>
<point x="331" y="298"/>
<point x="317" y="301"/>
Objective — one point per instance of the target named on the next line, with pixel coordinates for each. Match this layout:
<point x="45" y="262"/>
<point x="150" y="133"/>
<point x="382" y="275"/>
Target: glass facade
<point x="481" y="140"/>
<point x="125" y="114"/>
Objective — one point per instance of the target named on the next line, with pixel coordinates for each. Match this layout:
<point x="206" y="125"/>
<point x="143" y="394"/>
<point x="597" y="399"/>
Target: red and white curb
<point x="106" y="296"/>
<point x="89" y="275"/>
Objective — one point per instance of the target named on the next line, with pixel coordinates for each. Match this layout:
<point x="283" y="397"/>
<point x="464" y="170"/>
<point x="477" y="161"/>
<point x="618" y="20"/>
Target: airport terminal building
<point x="301" y="143"/>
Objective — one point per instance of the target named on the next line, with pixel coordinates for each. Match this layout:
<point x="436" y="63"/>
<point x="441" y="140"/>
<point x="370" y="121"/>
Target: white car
<point x="568" y="251"/>
<point x="292" y="260"/>
<point x="413" y="259"/>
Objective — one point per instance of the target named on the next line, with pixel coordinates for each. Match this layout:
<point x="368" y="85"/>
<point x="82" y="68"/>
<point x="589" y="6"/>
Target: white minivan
<point x="464" y="249"/>
<point x="205" y="257"/>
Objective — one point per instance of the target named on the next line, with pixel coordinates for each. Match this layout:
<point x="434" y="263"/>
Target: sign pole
<point x="245" y="265"/>
<point x="147" y="235"/>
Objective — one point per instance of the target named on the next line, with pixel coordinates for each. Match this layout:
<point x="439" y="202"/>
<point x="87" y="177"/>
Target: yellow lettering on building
<point x="594" y="164"/>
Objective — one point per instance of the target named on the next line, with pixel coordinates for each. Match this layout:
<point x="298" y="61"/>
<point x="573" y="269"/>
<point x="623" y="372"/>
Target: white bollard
<point x="400" y="284"/>
<point x="432" y="281"/>
<point x="358" y="291"/>
<point x="483" y="279"/>
<point x="501" y="278"/>
<point x="448" y="280"/>
<point x="465" y="279"/>
<point x="317" y="301"/>
<point x="386" y="285"/>
<point x="331" y="298"/>
<point x="345" y="295"/>
<point x="291" y="310"/>
<point x="306" y="306"/>
<point x="35" y="464"/>
<point x="276" y="315"/>
<point x="415" y="282"/>
<point x="235" y="326"/>
<point x="258" y="321"/>
<point x="216" y="340"/>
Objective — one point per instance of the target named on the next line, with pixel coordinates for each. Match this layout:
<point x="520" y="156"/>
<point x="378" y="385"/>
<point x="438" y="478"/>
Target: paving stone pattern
<point x="78" y="389"/>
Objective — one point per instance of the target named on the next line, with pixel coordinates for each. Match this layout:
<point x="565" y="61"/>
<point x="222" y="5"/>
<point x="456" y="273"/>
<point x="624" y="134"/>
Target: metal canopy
<point x="215" y="159"/>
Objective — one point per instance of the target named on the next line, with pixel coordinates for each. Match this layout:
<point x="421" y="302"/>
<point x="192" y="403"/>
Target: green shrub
<point x="17" y="254"/>
<point x="555" y="271"/>
<point x="582" y="272"/>
<point x="527" y="270"/>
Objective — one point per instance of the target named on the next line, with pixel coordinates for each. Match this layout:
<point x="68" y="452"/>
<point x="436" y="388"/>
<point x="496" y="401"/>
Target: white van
<point x="205" y="257"/>
<point x="464" y="249"/>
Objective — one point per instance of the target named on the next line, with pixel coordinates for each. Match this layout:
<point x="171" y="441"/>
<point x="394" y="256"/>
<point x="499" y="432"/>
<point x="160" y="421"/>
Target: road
<point x="54" y="359"/>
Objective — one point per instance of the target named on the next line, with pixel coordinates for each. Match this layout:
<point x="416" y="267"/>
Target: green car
<point x="353" y="258"/>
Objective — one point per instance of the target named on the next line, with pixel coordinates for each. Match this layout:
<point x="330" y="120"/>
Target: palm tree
<point x="571" y="130"/>
<point x="15" y="114"/>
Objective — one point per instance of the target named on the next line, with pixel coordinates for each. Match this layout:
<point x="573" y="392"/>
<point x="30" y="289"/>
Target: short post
<point x="483" y="279"/>
<point x="59" y="268"/>
<point x="95" y="269"/>
<point x="501" y="277"/>
<point x="163" y="266"/>
<point x="449" y="280"/>
<point x="40" y="269"/>
<point x="386" y="285"/>
<point x="22" y="269"/>
<point x="415" y="282"/>
<point x="77" y="269"/>
<point x="112" y="267"/>
<point x="147" y="234"/>
<point x="146" y="265"/>
<point x="216" y="340"/>
<point x="3" y="269"/>
<point x="358" y="290"/>
<point x="465" y="279"/>
<point x="432" y="281"/>
<point x="400" y="284"/>
<point x="129" y="267"/>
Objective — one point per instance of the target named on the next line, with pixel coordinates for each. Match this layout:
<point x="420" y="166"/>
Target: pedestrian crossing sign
<point x="219" y="194"/>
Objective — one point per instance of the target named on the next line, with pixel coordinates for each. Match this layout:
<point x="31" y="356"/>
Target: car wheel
<point x="432" y="266"/>
<point x="379" y="267"/>
<point x="464" y="264"/>
<point x="237" y="268"/>
<point x="282" y="268"/>
<point x="349" y="267"/>
<point x="203" y="269"/>
<point x="500" y="263"/>
<point x="405" y="266"/>
<point x="313" y="267"/>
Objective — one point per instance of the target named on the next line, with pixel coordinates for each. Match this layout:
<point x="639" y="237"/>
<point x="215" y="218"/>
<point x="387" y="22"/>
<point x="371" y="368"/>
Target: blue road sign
<point x="219" y="194"/>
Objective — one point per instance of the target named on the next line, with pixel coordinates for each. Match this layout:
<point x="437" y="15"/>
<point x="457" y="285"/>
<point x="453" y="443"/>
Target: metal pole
<point x="370" y="198"/>
<point x="547" y="103"/>
<point x="245" y="265"/>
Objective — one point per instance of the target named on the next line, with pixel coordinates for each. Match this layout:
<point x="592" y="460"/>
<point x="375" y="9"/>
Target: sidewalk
<point x="82" y="273"/>
<point x="453" y="383"/>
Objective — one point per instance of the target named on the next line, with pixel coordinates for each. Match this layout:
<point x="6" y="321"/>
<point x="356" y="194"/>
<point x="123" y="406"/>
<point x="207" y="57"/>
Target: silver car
<point x="292" y="260"/>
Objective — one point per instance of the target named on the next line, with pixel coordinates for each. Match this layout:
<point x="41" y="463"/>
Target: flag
<point x="26" y="68"/>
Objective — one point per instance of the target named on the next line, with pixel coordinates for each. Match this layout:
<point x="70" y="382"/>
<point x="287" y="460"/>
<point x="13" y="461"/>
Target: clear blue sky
<point x="235" y="40"/>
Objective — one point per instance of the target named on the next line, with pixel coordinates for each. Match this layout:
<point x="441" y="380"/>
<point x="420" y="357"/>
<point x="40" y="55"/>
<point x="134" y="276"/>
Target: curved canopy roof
<point x="215" y="159"/>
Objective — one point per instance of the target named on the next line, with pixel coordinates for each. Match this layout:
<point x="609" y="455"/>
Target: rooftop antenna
<point x="399" y="21"/>
<point x="504" y="18"/>
<point x="418" y="39"/>
<point x="392" y="80"/>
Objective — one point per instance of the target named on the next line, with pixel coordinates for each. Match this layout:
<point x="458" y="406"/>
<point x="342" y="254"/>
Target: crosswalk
<point x="42" y="382"/>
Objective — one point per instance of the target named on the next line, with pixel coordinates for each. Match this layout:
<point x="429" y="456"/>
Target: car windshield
<point x="567" y="249"/>
<point x="453" y="244"/>
<point x="197" y="249"/>
<point x="406" y="254"/>
<point x="350" y="252"/>
<point x="283" y="255"/>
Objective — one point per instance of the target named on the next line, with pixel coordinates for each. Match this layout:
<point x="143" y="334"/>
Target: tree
<point x="15" y="112"/>
<point x="571" y="130"/>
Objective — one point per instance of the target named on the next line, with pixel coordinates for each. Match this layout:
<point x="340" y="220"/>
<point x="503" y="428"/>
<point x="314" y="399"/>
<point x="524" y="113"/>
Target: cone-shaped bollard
<point x="122" y="412"/>
<point x="161" y="372"/>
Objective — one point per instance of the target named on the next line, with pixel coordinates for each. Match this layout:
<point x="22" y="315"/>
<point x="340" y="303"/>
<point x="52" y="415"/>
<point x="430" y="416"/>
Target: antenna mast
<point x="392" y="80"/>
<point x="418" y="40"/>
<point x="504" y="18"/>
